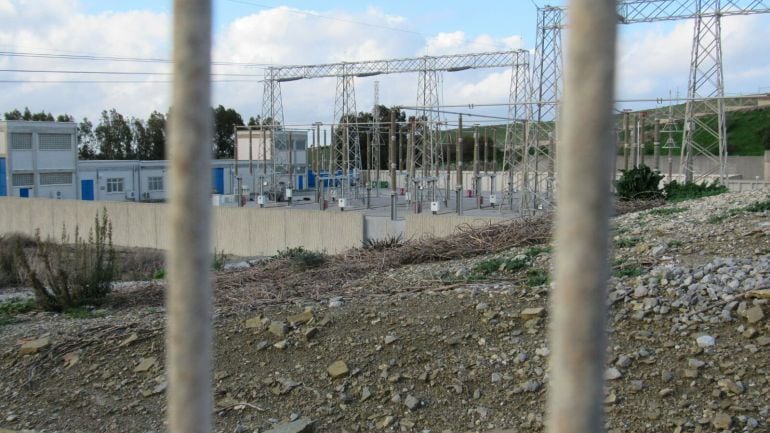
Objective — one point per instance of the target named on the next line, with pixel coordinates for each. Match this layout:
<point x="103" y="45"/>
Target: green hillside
<point x="748" y="131"/>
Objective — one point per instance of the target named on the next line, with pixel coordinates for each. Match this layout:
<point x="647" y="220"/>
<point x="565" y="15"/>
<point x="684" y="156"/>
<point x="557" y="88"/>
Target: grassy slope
<point x="748" y="132"/>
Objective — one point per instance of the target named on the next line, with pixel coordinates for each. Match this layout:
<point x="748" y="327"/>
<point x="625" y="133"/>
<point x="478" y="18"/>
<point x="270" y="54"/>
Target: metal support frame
<point x="429" y="70"/>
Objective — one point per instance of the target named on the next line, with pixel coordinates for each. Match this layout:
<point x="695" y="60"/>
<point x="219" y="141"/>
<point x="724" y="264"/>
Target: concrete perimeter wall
<point x="421" y="225"/>
<point x="239" y="231"/>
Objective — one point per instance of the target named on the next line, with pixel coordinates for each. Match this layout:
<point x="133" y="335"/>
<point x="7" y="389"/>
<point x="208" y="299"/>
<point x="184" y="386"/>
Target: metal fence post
<point x="188" y="359"/>
<point x="582" y="220"/>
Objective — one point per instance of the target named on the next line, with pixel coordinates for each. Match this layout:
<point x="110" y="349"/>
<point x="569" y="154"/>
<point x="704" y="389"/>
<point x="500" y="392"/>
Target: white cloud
<point x="656" y="59"/>
<point x="7" y="9"/>
<point x="652" y="58"/>
<point x="57" y="26"/>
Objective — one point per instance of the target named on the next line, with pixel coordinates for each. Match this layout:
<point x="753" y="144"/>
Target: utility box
<point x="342" y="203"/>
<point x="493" y="199"/>
<point x="434" y="207"/>
<point x="261" y="200"/>
<point x="288" y="193"/>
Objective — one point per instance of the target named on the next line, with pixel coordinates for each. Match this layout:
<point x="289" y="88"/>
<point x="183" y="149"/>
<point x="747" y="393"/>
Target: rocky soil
<point x="689" y="338"/>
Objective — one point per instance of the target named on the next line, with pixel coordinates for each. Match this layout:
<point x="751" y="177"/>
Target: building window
<point x="115" y="184"/>
<point x="56" y="178"/>
<point x="55" y="141"/>
<point x="21" y="141"/>
<point x="22" y="179"/>
<point x="155" y="183"/>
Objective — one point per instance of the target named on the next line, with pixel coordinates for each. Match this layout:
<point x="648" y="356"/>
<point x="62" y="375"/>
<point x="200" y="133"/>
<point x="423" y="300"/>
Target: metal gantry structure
<point x="427" y="149"/>
<point x="705" y="84"/>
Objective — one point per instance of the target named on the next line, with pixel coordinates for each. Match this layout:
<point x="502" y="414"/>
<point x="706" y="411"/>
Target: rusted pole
<point x="582" y="220"/>
<point x="188" y="338"/>
<point x="459" y="165"/>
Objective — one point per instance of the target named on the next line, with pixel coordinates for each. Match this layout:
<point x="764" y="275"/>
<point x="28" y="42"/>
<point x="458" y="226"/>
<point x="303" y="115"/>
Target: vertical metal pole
<point x="476" y="165"/>
<point x="392" y="162"/>
<point x="485" y="167"/>
<point x="264" y="151"/>
<point x="189" y="259"/>
<point x="410" y="158"/>
<point x="448" y="166"/>
<point x="582" y="220"/>
<point x="626" y="133"/>
<point x="459" y="165"/>
<point x="640" y="137"/>
<point x="291" y="168"/>
<point x="656" y="144"/>
<point x="635" y="146"/>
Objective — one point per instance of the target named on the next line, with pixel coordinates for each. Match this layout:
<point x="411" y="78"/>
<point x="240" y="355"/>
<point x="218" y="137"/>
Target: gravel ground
<point x="689" y="336"/>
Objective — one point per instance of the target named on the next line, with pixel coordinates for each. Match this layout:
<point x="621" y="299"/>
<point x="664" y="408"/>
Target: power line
<point x="51" y="71"/>
<point x="43" y="55"/>
<point x="111" y="81"/>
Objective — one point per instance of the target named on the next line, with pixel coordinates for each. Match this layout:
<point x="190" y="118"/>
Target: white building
<point x="38" y="159"/>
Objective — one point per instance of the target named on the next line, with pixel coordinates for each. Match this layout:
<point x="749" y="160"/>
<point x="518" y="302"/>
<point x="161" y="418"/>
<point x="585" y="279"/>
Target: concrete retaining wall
<point x="418" y="226"/>
<point x="747" y="185"/>
<point x="239" y="231"/>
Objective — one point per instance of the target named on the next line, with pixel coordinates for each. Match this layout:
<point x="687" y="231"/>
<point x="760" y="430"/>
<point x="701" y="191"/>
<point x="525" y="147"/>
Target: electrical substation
<point x="425" y="171"/>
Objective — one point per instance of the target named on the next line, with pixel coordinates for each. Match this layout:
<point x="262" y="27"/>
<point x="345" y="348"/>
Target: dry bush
<point x="65" y="276"/>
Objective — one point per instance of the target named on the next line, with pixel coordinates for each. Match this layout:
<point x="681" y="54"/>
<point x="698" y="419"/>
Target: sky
<point x="653" y="59"/>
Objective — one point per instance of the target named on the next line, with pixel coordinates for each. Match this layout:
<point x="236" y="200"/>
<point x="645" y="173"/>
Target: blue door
<point x="3" y="183"/>
<point x="300" y="183"/>
<point x="311" y="178"/>
<point x="219" y="180"/>
<point x="87" y="189"/>
<point x="24" y="192"/>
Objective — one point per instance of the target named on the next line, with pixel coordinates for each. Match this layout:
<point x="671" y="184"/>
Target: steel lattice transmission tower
<point x="705" y="92"/>
<point x="706" y="77"/>
<point x="346" y="145"/>
<point x="428" y="153"/>
<point x="516" y="133"/>
<point x="539" y="154"/>
<point x="272" y="112"/>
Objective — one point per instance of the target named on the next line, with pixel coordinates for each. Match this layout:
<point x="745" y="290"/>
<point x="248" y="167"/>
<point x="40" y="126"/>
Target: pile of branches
<point x="279" y="281"/>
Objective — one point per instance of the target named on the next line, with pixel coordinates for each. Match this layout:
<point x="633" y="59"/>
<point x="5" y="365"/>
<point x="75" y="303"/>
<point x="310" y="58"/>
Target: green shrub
<point x="301" y="259"/>
<point x="385" y="243"/>
<point x="217" y="261"/>
<point x="159" y="274"/>
<point x="666" y="211"/>
<point x="639" y="183"/>
<point x="9" y="274"/>
<point x="760" y="206"/>
<point x="65" y="276"/>
<point x="537" y="277"/>
<point x="627" y="271"/>
<point x="676" y="192"/>
<point x="11" y="307"/>
<point x="626" y="242"/>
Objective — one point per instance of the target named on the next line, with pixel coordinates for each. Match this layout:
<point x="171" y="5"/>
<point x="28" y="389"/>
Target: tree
<point x="65" y="118"/>
<point x="156" y="135"/>
<point x="114" y="136"/>
<point x="141" y="141"/>
<point x="13" y="115"/>
<point x="225" y="120"/>
<point x="86" y="140"/>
